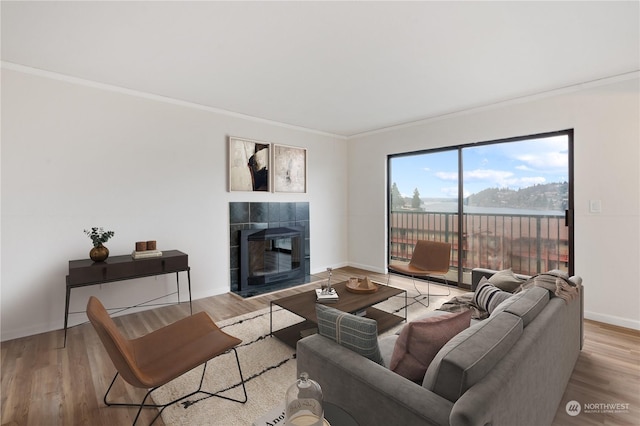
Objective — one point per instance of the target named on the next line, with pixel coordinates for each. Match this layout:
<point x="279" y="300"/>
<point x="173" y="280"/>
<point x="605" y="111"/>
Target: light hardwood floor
<point x="44" y="384"/>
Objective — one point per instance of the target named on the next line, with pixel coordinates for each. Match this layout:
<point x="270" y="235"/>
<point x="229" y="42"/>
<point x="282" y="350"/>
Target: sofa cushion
<point x="471" y="354"/>
<point x="527" y="304"/>
<point x="353" y="332"/>
<point x="420" y="340"/>
<point x="487" y="296"/>
<point x="506" y="280"/>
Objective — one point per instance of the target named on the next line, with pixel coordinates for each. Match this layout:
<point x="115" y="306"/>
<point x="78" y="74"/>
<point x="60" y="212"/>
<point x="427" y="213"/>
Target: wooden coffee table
<point x="304" y="305"/>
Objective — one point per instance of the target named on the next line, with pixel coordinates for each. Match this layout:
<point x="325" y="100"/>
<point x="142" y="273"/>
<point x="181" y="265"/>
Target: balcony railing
<point x="528" y="244"/>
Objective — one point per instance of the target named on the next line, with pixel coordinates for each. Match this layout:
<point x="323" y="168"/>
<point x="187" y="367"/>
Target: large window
<point x="502" y="204"/>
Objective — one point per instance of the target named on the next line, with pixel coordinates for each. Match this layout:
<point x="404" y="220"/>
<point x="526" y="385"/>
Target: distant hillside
<point x="550" y="196"/>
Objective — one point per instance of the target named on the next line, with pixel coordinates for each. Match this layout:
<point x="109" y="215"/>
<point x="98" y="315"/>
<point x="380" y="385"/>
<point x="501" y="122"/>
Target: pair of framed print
<point x="262" y="166"/>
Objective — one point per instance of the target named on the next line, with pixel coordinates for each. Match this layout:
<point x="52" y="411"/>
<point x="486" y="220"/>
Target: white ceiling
<point x="342" y="68"/>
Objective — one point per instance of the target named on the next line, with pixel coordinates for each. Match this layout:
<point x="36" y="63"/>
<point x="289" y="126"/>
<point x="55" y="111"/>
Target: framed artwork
<point x="289" y="169"/>
<point x="248" y="165"/>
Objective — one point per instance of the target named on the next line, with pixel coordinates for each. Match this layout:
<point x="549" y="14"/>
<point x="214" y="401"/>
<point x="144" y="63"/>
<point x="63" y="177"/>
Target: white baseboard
<point x="336" y="266"/>
<point x="368" y="268"/>
<point x="613" y="320"/>
<point x="29" y="331"/>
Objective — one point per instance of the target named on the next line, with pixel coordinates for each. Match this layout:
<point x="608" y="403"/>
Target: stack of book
<point x="330" y="297"/>
<point x="145" y="254"/>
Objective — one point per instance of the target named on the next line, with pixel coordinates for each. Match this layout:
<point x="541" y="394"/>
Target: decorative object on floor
<point x="248" y="165"/>
<point x="303" y="406"/>
<point x="361" y="286"/>
<point x="99" y="236"/>
<point x="152" y="360"/>
<point x="289" y="169"/>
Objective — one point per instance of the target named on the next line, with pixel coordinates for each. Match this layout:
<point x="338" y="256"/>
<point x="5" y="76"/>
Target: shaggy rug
<point x="268" y="366"/>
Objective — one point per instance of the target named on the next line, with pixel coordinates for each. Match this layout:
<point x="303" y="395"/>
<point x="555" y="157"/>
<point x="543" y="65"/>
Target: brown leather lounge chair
<point x="154" y="359"/>
<point x="429" y="258"/>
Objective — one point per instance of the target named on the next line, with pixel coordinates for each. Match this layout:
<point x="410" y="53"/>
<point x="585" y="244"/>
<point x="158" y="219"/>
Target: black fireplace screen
<point x="271" y="255"/>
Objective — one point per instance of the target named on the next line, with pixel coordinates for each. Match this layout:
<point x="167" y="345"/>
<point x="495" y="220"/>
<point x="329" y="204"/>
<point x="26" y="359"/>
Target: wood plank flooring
<point x="44" y="384"/>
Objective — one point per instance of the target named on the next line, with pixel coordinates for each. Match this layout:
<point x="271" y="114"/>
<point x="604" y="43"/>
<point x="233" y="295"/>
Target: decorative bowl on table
<point x="361" y="285"/>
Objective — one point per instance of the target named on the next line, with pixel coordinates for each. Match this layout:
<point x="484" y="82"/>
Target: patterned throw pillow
<point x="487" y="296"/>
<point x="353" y="332"/>
<point x="506" y="280"/>
<point x="421" y="340"/>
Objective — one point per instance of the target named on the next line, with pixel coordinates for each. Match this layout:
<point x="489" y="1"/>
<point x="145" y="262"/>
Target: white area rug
<point x="268" y="366"/>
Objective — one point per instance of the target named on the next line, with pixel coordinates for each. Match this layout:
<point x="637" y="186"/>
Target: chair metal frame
<point x="429" y="258"/>
<point x="152" y="360"/>
<point x="163" y="406"/>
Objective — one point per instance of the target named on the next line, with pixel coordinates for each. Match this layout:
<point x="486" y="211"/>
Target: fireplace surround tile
<point x="287" y="212"/>
<point x="302" y="211"/>
<point x="238" y="213"/>
<point x="274" y="212"/>
<point x="259" y="212"/>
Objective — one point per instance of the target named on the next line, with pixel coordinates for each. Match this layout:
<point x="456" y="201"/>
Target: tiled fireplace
<point x="269" y="246"/>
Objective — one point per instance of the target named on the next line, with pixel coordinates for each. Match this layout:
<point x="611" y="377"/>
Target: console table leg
<point x="178" y="285"/>
<point x="189" y="282"/>
<point x="66" y="316"/>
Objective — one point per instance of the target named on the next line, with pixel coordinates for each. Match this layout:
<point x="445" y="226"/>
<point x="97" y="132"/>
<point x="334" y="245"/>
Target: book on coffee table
<point x="326" y="298"/>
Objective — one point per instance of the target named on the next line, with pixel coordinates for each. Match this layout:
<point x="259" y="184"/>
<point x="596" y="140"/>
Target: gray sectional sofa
<point x="509" y="369"/>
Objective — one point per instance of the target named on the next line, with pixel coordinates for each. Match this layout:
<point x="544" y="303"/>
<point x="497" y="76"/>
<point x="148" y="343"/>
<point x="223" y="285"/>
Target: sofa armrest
<point x="368" y="391"/>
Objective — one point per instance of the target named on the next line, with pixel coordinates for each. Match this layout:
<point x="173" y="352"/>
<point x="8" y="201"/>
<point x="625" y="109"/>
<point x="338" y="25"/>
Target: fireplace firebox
<point x="271" y="255"/>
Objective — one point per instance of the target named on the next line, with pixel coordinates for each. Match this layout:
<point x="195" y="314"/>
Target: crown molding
<point x="475" y="109"/>
<point x="112" y="88"/>
<point x="503" y="103"/>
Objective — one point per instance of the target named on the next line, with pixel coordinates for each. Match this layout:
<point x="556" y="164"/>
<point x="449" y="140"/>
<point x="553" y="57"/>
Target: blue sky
<point x="504" y="165"/>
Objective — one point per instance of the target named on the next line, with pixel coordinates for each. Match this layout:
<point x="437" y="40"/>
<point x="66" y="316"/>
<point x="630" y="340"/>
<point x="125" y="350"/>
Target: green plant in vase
<point x="99" y="236"/>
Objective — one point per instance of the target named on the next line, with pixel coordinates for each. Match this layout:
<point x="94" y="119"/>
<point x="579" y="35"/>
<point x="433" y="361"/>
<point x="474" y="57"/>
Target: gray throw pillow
<point x="487" y="296"/>
<point x="356" y="333"/>
<point x="506" y="280"/>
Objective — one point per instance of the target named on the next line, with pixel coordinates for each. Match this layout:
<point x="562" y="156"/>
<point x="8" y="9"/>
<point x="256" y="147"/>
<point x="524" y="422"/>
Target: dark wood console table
<point x="86" y="272"/>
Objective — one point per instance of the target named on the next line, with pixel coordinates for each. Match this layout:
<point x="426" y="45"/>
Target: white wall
<point x="75" y="156"/>
<point x="606" y="146"/>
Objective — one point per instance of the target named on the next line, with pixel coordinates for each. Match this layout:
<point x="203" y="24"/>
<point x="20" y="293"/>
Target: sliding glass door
<point x="502" y="204"/>
<point x="423" y="203"/>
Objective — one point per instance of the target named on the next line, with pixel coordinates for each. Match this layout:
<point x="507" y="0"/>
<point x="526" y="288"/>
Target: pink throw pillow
<point x="421" y="340"/>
